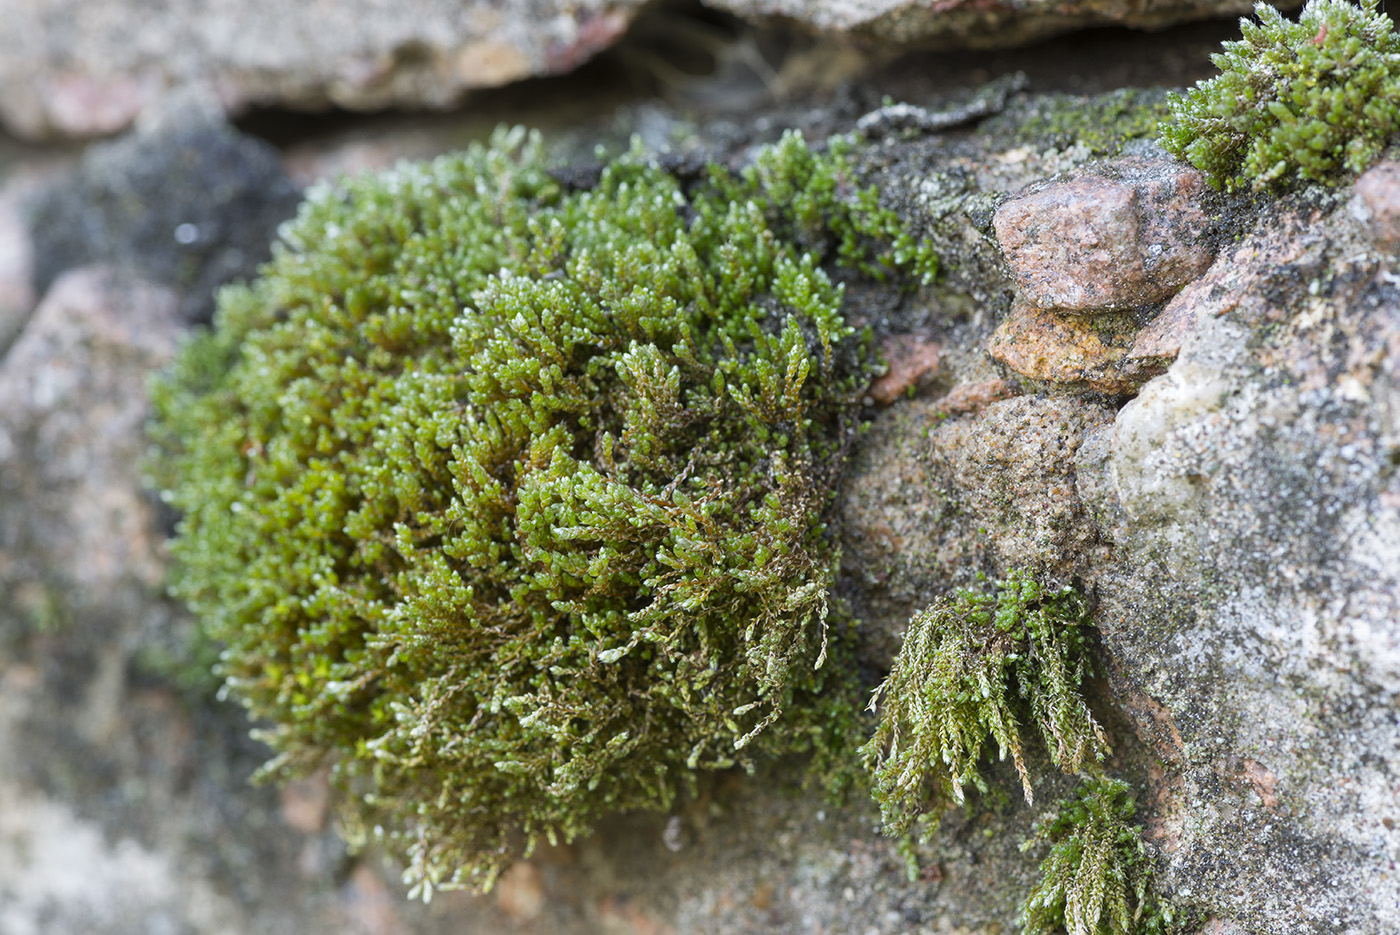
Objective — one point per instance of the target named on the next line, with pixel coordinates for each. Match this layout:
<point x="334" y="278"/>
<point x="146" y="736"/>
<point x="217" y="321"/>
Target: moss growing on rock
<point x="1304" y="99"/>
<point x="508" y="500"/>
<point x="973" y="668"/>
<point x="1103" y="124"/>
<point x="1096" y="878"/>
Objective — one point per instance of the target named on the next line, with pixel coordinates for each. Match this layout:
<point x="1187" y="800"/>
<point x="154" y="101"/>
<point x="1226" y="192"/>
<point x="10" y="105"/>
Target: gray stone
<point x="17" y="293"/>
<point x="77" y="69"/>
<point x="979" y="24"/>
<point x="1239" y="525"/>
<point x="1255" y="601"/>
<point x="74" y="524"/>
<point x="189" y="203"/>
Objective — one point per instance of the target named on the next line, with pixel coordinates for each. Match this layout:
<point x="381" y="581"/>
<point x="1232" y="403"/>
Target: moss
<point x="1096" y="878"/>
<point x="510" y="501"/>
<point x="1102" y="124"/>
<point x="973" y="668"/>
<point x="1298" y="100"/>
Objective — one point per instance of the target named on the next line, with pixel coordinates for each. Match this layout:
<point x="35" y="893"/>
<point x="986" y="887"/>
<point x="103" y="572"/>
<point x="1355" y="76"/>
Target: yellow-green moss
<point x="509" y="500"/>
<point x="1293" y="100"/>
<point x="972" y="670"/>
<point x="1096" y="878"/>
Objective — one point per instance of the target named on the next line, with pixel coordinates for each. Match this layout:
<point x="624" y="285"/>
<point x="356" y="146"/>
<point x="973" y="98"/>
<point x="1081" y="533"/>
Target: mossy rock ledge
<point x="677" y="437"/>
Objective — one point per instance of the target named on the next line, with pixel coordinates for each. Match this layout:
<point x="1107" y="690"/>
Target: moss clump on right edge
<point x="1096" y="879"/>
<point x="972" y="669"/>
<point x="1303" y="99"/>
<point x="509" y="501"/>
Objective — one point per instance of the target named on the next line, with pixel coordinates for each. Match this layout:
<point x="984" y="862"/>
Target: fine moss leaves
<point x="1304" y="99"/>
<point x="508" y="500"/>
<point x="1096" y="878"/>
<point x="973" y="670"/>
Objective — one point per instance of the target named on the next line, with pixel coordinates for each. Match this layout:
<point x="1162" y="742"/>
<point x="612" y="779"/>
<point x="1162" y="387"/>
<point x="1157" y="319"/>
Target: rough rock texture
<point x="910" y="362"/>
<point x="1256" y="602"/>
<point x="1090" y="256"/>
<point x="189" y="203"/>
<point x="1053" y="348"/>
<point x="1239" y="523"/>
<point x="932" y="502"/>
<point x="70" y="439"/>
<point x="1125" y="234"/>
<point x="1376" y="204"/>
<point x="17" y="295"/>
<point x="74" y="68"/>
<point x="979" y="24"/>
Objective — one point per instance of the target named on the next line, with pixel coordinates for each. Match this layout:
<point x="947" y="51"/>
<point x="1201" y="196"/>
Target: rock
<point x="1126" y="234"/>
<point x="190" y="204"/>
<point x="973" y="398"/>
<point x="74" y="523"/>
<point x="1255" y="596"/>
<point x="931" y="502"/>
<point x="17" y="294"/>
<point x="1097" y="354"/>
<point x="1239" y="525"/>
<point x="370" y="906"/>
<point x="900" y="542"/>
<point x="1074" y="246"/>
<point x="1013" y="472"/>
<point x="69" y="69"/>
<point x="1377" y="204"/>
<point x="911" y="361"/>
<point x="305" y="803"/>
<point x="978" y="24"/>
<point x="1090" y="256"/>
<point x="520" y="893"/>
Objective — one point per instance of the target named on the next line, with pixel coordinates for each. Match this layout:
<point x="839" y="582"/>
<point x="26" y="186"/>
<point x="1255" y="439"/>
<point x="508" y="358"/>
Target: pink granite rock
<point x="1124" y="235"/>
<point x="1377" y="204"/>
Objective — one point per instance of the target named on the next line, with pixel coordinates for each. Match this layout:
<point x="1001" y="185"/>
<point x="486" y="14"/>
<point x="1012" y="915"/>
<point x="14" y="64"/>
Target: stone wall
<point x="1187" y="403"/>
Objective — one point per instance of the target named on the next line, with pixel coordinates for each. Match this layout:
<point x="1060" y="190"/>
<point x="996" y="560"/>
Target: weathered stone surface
<point x="1127" y="234"/>
<point x="73" y="519"/>
<point x="1099" y="354"/>
<point x="190" y="203"/>
<point x="17" y="294"/>
<point x="1013" y="470"/>
<point x="931" y="502"/>
<point x="973" y="398"/>
<point x="910" y="361"/>
<point x="979" y="23"/>
<point x="1239" y="523"/>
<point x="1089" y="256"/>
<point x="1377" y="204"/>
<point x="72" y="68"/>
<point x="1256" y="596"/>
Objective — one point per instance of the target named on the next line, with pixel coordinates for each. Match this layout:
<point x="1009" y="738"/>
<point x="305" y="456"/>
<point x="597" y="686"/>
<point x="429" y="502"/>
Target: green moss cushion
<point x="508" y="500"/>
